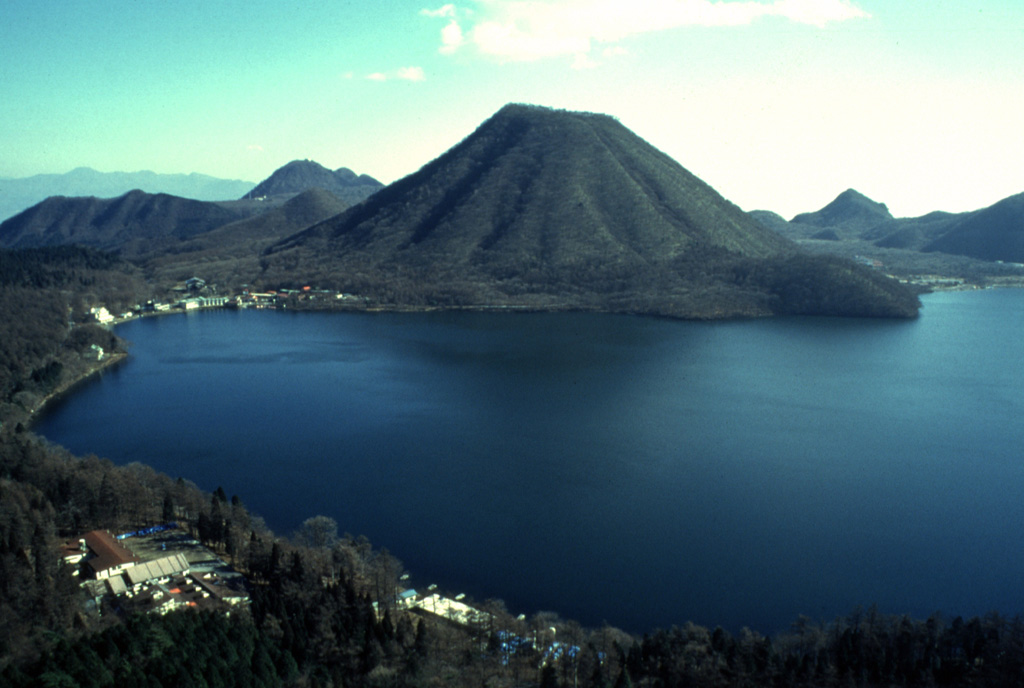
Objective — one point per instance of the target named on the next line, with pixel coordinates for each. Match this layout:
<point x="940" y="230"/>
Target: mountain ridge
<point x="20" y="193"/>
<point x="138" y="224"/>
<point x="995" y="233"/>
<point x="133" y="223"/>
<point x="992" y="234"/>
<point x="300" y="175"/>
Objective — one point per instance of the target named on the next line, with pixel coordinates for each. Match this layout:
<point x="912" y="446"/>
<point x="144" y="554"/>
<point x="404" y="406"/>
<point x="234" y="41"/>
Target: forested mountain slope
<point x="134" y="224"/>
<point x="550" y="209"/>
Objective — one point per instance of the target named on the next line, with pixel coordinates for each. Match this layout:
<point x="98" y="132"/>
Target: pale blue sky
<point x="778" y="104"/>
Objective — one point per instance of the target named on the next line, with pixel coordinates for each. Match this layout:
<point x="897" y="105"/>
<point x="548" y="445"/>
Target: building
<point x="157" y="570"/>
<point x="101" y="315"/>
<point x="213" y="301"/>
<point x="118" y="578"/>
<point x="102" y="555"/>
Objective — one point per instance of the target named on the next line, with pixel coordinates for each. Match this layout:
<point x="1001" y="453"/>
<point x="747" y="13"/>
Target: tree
<point x="167" y="512"/>
<point x="318" y="532"/>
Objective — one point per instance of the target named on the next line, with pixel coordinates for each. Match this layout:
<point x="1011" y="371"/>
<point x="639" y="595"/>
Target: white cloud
<point x="411" y="73"/>
<point x="255" y="148"/>
<point x="402" y="73"/>
<point x="451" y="38"/>
<point x="524" y="30"/>
<point x="443" y="11"/>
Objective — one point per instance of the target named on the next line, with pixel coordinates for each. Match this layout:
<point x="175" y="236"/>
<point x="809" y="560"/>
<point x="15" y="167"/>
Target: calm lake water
<point x="637" y="471"/>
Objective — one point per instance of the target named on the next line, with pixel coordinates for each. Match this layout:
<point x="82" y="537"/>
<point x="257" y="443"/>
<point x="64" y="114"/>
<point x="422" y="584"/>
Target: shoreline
<point x="29" y="415"/>
<point x="33" y="413"/>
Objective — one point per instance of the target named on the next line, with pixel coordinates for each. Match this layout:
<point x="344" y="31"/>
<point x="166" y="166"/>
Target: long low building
<point x="163" y="568"/>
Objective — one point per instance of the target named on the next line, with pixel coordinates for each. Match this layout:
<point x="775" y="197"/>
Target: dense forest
<point x="45" y="297"/>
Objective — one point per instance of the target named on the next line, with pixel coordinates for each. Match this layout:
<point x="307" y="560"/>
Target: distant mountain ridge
<point x="995" y="233"/>
<point x="301" y="175"/>
<point x="138" y="224"/>
<point x="851" y="210"/>
<point x="132" y="224"/>
<point x="551" y="209"/>
<point x="18" y="194"/>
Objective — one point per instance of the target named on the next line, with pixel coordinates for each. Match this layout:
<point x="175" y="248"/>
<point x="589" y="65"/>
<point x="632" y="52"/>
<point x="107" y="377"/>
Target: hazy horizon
<point x="778" y="104"/>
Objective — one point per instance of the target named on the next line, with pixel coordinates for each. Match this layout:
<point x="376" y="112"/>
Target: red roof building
<point x="107" y="557"/>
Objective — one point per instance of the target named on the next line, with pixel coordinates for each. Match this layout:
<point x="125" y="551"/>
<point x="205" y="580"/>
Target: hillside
<point x="229" y="255"/>
<point x="912" y="232"/>
<point x="302" y="175"/>
<point x="42" y="292"/>
<point x="19" y="194"/>
<point x="133" y="224"/>
<point x="994" y="233"/>
<point x="550" y="209"/>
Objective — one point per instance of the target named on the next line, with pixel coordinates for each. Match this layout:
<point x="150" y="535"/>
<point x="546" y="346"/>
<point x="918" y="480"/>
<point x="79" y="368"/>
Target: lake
<point x="638" y="471"/>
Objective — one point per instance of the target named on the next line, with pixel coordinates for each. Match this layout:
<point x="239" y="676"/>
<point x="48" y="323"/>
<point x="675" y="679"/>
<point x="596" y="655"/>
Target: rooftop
<point x="108" y="552"/>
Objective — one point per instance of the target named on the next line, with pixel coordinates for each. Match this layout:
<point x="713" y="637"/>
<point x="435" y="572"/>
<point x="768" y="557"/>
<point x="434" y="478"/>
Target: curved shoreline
<point x="31" y="414"/>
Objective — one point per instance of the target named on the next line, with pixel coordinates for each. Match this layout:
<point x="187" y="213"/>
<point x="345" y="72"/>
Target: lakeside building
<point x="158" y="585"/>
<point x="100" y="555"/>
<point x="101" y="315"/>
<point x="203" y="302"/>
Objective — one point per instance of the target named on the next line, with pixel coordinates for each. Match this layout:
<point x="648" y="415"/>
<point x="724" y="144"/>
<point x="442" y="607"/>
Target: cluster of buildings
<point x="278" y="299"/>
<point x="110" y="570"/>
<point x="103" y="316"/>
<point x="196" y="295"/>
<point x="510" y="643"/>
<point x="187" y="304"/>
<point x="454" y="610"/>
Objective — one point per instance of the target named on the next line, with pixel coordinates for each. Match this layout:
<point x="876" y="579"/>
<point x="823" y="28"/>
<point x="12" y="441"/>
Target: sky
<point x="777" y="104"/>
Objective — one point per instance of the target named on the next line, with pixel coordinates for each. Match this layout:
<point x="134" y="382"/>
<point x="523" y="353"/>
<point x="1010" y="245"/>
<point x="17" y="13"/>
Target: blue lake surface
<point x="638" y="471"/>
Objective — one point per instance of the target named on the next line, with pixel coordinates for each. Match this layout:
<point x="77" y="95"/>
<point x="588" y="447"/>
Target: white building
<point x="101" y="315"/>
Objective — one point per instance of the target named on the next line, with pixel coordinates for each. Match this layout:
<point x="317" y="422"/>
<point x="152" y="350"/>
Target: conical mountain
<point x="20" y="194"/>
<point x="545" y="209"/>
